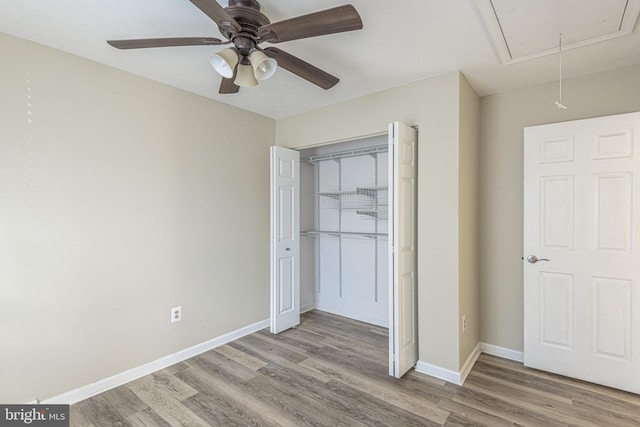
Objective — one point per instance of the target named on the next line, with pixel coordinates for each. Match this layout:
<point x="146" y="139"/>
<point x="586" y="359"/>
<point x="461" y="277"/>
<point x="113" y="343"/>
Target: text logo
<point x="34" y="415"/>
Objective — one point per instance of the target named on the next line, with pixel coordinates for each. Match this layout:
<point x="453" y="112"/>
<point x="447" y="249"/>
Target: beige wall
<point x="503" y="118"/>
<point x="434" y="106"/>
<point x="469" y="233"/>
<point x="121" y="198"/>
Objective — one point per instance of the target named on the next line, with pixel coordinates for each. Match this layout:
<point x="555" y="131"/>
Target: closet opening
<point x="344" y="212"/>
<point x="343" y="236"/>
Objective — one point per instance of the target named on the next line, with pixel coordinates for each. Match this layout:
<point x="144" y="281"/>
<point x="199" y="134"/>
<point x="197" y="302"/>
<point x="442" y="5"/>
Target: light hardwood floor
<point x="332" y="371"/>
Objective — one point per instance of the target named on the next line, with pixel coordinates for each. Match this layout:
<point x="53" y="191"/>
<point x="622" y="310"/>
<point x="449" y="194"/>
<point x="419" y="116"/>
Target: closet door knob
<point x="287" y="249"/>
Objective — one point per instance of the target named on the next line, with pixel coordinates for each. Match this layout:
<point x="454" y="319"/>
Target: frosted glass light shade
<point x="263" y="66"/>
<point x="224" y="62"/>
<point x="244" y="76"/>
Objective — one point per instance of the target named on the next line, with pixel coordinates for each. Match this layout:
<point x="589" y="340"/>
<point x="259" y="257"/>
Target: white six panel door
<point x="582" y="213"/>
<point x="285" y="239"/>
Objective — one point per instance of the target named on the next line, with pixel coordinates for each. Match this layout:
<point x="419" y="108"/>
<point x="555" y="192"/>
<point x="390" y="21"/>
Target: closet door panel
<point x="285" y="239"/>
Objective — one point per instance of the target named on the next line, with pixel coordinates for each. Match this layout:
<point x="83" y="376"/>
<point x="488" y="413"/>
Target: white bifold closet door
<point x="285" y="239"/>
<point x="403" y="314"/>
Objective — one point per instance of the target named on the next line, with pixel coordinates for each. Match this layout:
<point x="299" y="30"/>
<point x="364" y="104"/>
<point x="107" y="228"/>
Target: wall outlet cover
<point x="176" y="314"/>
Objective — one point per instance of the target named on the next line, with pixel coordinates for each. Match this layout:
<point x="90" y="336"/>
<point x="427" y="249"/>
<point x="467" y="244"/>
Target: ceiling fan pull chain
<point x="559" y="103"/>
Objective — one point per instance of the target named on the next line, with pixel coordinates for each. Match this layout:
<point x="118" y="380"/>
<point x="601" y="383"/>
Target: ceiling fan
<point x="244" y="26"/>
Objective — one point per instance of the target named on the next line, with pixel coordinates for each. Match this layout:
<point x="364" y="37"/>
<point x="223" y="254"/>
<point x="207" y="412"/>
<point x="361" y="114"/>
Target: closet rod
<point x="349" y="153"/>
<point x="314" y="233"/>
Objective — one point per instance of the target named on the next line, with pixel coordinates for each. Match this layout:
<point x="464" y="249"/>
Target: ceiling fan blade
<point x="213" y="10"/>
<point x="302" y="68"/>
<point x="228" y="86"/>
<point x="329" y="21"/>
<point x="165" y="42"/>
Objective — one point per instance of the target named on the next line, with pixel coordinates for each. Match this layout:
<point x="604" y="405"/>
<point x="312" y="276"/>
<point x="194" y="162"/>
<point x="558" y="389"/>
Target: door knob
<point x="533" y="259"/>
<point x="287" y="249"/>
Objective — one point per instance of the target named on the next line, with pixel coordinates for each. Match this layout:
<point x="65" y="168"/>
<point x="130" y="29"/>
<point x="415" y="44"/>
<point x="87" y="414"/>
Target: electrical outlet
<point x="176" y="314"/>
<point x="464" y="323"/>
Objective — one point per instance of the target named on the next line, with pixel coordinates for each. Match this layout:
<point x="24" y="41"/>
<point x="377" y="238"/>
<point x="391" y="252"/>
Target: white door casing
<point x="285" y="239"/>
<point x="403" y="313"/>
<point x="582" y="213"/>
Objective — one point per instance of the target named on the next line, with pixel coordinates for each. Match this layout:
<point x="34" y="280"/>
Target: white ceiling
<point x="401" y="42"/>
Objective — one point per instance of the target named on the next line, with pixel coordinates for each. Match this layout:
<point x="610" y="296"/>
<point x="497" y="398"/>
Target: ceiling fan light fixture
<point x="263" y="66"/>
<point x="224" y="62"/>
<point x="244" y="75"/>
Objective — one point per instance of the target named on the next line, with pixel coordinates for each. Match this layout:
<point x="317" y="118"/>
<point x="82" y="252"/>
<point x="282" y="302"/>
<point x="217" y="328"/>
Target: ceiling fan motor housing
<point x="247" y="14"/>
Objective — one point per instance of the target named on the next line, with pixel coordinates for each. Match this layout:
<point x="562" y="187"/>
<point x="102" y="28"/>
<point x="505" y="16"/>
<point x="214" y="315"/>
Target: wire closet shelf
<point x="368" y="202"/>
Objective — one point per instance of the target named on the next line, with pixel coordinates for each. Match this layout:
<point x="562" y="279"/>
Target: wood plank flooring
<point x="332" y="371"/>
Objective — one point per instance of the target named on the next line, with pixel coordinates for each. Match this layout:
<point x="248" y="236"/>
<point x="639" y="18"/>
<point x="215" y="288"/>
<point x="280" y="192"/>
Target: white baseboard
<point x="438" y="372"/>
<point x="449" y="375"/>
<point x="468" y="364"/>
<point x="362" y="318"/>
<point x="106" y="384"/>
<point x="505" y="353"/>
<point x="307" y="307"/>
<point x="458" y="378"/>
<point x="117" y="380"/>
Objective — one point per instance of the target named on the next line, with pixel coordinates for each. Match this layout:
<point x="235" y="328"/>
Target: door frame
<point x="393" y="369"/>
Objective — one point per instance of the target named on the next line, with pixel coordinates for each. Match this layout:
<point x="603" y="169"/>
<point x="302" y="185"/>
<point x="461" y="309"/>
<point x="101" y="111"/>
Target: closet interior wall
<point x="343" y="222"/>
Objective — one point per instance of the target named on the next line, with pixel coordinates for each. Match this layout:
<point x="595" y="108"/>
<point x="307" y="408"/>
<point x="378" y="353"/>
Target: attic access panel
<point x="525" y="29"/>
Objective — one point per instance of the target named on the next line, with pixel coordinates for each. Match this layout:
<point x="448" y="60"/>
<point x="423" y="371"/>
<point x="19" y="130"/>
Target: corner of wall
<point x="468" y="193"/>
